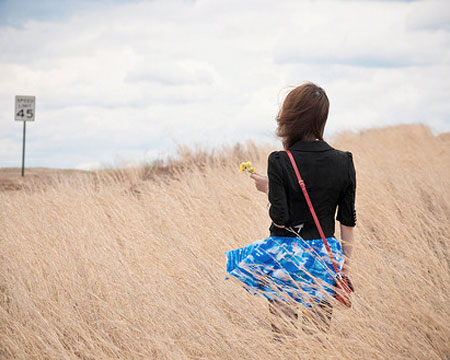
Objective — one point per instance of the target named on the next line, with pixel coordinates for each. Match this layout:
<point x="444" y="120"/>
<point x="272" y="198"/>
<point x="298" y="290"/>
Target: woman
<point x="292" y="265"/>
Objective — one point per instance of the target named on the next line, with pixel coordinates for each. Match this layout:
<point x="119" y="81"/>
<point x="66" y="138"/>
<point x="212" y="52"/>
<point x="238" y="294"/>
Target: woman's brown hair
<point x="303" y="114"/>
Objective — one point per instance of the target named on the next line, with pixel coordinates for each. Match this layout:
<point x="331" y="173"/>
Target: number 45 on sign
<point x="24" y="110"/>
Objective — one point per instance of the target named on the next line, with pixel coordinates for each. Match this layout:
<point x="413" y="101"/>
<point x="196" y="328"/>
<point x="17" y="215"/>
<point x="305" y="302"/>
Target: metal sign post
<point x="24" y="111"/>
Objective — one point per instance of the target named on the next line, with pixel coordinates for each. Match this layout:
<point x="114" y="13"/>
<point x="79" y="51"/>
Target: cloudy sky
<point x="131" y="80"/>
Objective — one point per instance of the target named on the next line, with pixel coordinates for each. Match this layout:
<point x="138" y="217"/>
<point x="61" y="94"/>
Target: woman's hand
<point x="261" y="182"/>
<point x="344" y="275"/>
<point x="347" y="246"/>
<point x="345" y="269"/>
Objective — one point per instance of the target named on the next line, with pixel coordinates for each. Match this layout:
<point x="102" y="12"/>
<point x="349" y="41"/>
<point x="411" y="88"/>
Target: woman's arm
<point x="261" y="182"/>
<point x="347" y="246"/>
<point x="347" y="214"/>
<point x="278" y="210"/>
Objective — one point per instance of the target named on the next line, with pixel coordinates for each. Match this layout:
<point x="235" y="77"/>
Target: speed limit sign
<point x="24" y="109"/>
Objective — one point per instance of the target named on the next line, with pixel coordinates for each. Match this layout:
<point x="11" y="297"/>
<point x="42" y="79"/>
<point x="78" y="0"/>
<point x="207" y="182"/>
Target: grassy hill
<point x="130" y="264"/>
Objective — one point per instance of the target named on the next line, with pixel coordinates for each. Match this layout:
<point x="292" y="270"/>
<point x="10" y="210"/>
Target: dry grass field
<point x="130" y="263"/>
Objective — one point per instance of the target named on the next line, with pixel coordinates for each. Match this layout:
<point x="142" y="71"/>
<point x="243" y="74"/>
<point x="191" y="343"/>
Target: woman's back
<point x="329" y="175"/>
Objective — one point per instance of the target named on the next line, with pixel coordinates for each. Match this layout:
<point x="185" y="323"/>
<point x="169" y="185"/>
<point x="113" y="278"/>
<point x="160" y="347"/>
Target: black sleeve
<point x="278" y="211"/>
<point x="346" y="207"/>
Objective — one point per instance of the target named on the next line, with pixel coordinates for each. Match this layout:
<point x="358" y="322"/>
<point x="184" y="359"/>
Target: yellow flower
<point x="243" y="167"/>
<point x="247" y="166"/>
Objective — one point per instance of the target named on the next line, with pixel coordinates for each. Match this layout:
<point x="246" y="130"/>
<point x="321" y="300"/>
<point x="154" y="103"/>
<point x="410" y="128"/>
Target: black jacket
<point x="330" y="179"/>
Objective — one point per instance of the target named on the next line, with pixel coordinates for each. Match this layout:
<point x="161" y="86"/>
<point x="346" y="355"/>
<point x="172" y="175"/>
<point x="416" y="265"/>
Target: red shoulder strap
<point x="311" y="208"/>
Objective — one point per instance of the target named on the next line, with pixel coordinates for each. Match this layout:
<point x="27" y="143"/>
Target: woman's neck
<point x="310" y="139"/>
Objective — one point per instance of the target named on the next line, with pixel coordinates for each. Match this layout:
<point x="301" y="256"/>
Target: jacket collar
<point x="317" y="145"/>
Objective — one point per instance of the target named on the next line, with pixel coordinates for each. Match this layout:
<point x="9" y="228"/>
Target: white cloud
<point x="136" y="79"/>
<point x="366" y="34"/>
<point x="95" y="165"/>
<point x="430" y="15"/>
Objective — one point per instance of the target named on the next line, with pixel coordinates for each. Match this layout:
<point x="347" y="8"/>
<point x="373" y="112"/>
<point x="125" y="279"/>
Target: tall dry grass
<point x="130" y="264"/>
